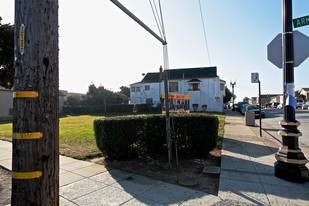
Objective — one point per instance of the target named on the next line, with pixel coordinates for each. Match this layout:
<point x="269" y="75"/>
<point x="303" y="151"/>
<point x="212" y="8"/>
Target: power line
<point x="156" y="16"/>
<point x="162" y="24"/>
<point x="201" y="12"/>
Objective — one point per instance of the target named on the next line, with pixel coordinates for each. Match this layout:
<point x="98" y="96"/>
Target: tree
<point x="125" y="90"/>
<point x="35" y="167"/>
<point x="228" y="95"/>
<point x="101" y="96"/>
<point x="120" y="98"/>
<point x="246" y="99"/>
<point x="6" y="55"/>
<point x="73" y="101"/>
<point x="299" y="95"/>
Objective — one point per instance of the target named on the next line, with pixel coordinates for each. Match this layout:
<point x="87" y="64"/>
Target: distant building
<point x="253" y="100"/>
<point x="202" y="84"/>
<point x="305" y="92"/>
<point x="266" y="99"/>
<point x="6" y="101"/>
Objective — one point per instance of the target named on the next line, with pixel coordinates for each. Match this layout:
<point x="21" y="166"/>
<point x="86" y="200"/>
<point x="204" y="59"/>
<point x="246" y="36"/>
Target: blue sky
<point x="101" y="44"/>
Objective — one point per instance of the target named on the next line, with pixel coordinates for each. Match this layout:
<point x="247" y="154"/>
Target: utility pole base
<point x="291" y="172"/>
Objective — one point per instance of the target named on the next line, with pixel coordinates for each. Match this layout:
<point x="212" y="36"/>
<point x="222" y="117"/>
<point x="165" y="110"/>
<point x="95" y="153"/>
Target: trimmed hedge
<point x="127" y="137"/>
<point x="98" y="109"/>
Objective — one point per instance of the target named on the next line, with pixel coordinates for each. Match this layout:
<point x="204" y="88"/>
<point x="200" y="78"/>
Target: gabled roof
<point x="269" y="95"/>
<point x="305" y="89"/>
<point x="194" y="81"/>
<point x="189" y="73"/>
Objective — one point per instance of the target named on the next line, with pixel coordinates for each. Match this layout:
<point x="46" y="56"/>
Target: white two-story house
<point x="202" y="84"/>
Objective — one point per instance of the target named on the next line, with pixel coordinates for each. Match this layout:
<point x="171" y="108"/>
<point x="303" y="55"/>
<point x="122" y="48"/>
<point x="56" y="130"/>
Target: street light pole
<point x="290" y="164"/>
<point x="233" y="83"/>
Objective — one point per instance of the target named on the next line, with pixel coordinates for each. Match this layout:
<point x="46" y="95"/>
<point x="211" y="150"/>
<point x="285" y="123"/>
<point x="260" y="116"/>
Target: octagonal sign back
<point x="301" y="49"/>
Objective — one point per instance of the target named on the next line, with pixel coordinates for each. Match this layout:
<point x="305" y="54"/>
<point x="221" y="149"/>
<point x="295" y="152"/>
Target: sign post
<point x="255" y="79"/>
<point x="291" y="162"/>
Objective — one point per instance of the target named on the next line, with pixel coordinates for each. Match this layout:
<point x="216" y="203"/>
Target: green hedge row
<point x="127" y="137"/>
<point x="98" y="109"/>
<point x="109" y="108"/>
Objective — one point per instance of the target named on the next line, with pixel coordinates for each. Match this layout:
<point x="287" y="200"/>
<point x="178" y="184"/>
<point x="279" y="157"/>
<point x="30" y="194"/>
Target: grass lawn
<point x="76" y="136"/>
<point x="5" y="130"/>
<point x="221" y="118"/>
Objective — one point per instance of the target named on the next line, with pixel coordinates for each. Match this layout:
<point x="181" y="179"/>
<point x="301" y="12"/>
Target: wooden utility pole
<point x="35" y="169"/>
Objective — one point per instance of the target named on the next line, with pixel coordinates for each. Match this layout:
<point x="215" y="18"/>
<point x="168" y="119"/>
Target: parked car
<point x="305" y="105"/>
<point x="239" y="105"/>
<point x="280" y="106"/>
<point x="267" y="105"/>
<point x="275" y="104"/>
<point x="255" y="109"/>
<point x="243" y="108"/>
<point x="299" y="103"/>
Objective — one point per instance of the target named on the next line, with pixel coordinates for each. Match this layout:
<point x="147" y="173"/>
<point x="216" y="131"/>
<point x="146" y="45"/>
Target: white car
<point x="305" y="105"/>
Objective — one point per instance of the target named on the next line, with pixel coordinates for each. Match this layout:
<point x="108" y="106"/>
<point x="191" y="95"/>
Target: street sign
<point x="254" y="77"/>
<point x="302" y="21"/>
<point x="301" y="49"/>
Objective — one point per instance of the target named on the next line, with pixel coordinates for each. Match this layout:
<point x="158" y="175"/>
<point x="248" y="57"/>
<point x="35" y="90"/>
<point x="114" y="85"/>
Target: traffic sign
<point x="301" y="49"/>
<point x="254" y="77"/>
<point x="302" y="21"/>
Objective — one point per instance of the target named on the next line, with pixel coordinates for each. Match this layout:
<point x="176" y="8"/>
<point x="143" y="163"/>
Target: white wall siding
<point x="209" y="93"/>
<point x="6" y="103"/>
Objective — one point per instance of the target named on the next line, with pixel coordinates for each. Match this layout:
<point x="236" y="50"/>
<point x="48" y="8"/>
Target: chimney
<point x="161" y="73"/>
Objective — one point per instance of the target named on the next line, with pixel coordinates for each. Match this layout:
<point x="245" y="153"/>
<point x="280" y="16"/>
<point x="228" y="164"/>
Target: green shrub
<point x="98" y="109"/>
<point x="129" y="136"/>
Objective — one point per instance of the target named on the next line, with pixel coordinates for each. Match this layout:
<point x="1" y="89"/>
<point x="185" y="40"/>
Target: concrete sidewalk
<point x="246" y="177"/>
<point x="247" y="167"/>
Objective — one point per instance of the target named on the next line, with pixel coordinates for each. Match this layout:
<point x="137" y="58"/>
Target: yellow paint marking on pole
<point x="22" y="39"/>
<point x="26" y="175"/>
<point x="25" y="94"/>
<point x="29" y="135"/>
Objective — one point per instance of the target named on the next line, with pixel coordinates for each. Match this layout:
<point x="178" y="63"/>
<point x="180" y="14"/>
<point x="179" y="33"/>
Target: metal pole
<point x="233" y="84"/>
<point x="167" y="119"/>
<point x="233" y="97"/>
<point x="260" y="112"/>
<point x="166" y="66"/>
<point x="290" y="164"/>
<point x="137" y="20"/>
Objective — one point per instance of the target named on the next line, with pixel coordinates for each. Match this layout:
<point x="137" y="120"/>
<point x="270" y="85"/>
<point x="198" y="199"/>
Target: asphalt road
<point x="273" y="116"/>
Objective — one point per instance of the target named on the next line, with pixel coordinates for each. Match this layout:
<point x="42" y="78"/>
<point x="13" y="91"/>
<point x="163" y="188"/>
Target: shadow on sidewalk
<point x="247" y="175"/>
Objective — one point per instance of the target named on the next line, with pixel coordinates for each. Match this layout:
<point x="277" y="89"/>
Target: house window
<point x="173" y="87"/>
<point x="194" y="86"/>
<point x="147" y="87"/>
<point x="138" y="89"/>
<point x="132" y="89"/>
<point x="221" y="87"/>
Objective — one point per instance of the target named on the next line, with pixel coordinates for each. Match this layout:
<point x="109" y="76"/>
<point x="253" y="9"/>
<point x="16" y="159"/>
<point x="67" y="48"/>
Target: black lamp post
<point x="233" y="83"/>
<point x="290" y="164"/>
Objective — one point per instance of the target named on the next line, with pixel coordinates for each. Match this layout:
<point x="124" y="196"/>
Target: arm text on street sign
<point x="302" y="21"/>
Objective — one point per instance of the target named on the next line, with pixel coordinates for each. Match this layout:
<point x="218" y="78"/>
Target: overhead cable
<point x="156" y="16"/>
<point x="205" y="37"/>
